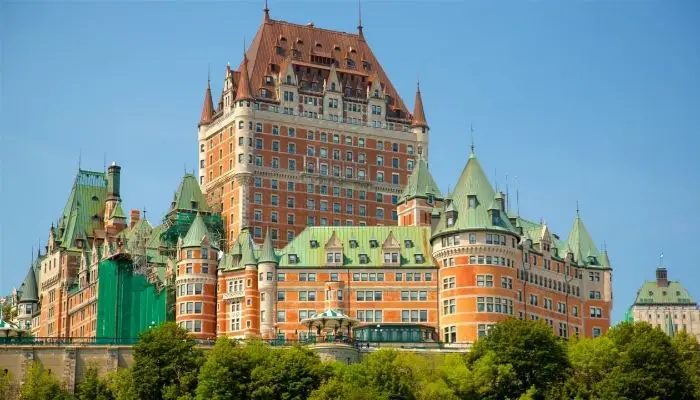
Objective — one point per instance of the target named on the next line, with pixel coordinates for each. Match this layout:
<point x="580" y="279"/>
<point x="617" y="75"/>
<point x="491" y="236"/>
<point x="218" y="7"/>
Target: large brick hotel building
<point x="313" y="194"/>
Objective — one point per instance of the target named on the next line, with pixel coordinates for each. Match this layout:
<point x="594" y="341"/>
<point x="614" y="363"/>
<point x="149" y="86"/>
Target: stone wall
<point x="69" y="363"/>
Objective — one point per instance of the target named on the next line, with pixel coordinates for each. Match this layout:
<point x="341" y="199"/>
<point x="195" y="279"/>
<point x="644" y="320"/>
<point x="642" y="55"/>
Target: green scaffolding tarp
<point x="128" y="304"/>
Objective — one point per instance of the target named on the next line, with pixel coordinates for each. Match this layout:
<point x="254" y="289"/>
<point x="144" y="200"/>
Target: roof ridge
<point x="281" y="21"/>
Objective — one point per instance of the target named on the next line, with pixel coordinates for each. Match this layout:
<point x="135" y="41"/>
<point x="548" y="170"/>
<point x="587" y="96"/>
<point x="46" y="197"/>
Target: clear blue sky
<point x="597" y="102"/>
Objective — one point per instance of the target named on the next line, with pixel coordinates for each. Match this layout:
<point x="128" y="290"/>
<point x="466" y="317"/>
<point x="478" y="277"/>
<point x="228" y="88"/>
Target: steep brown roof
<point x="310" y="40"/>
<point x="418" y="113"/>
<point x="207" y="108"/>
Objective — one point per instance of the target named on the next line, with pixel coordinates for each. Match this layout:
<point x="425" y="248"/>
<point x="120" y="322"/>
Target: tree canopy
<point x="517" y="360"/>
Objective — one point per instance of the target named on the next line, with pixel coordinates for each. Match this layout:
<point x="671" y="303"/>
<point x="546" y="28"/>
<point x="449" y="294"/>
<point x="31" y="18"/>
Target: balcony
<point x="234" y="295"/>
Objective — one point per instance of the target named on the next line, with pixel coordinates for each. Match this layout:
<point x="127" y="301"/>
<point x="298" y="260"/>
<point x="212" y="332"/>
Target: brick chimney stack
<point x="135" y="217"/>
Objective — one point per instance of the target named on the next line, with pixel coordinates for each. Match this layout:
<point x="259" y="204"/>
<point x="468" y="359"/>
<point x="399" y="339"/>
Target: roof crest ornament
<point x="471" y="131"/>
<point x="359" y="24"/>
<point x="266" y="10"/>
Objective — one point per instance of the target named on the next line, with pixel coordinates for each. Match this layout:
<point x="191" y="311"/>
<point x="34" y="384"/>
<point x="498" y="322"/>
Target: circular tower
<point x="476" y="248"/>
<point x="195" y="280"/>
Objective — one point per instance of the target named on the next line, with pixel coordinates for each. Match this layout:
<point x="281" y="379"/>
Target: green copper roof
<point x="84" y="210"/>
<point x="248" y="250"/>
<point x="310" y="246"/>
<point x="474" y="183"/>
<point x="118" y="211"/>
<point x="675" y="293"/>
<point x="30" y="292"/>
<point x="196" y="234"/>
<point x="189" y="196"/>
<point x="581" y="244"/>
<point x="420" y="184"/>
<point x="268" y="252"/>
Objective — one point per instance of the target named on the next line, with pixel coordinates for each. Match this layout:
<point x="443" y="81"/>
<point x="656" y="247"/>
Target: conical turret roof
<point x="474" y="214"/>
<point x="418" y="113"/>
<point x="420" y="183"/>
<point x="30" y="292"/>
<point x="243" y="91"/>
<point x="268" y="252"/>
<point x="581" y="243"/>
<point x="207" y="108"/>
<point x="197" y="233"/>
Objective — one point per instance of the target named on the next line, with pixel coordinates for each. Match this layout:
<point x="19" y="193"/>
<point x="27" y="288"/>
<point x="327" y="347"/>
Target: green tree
<point x="229" y="363"/>
<point x="5" y="385"/>
<point x="688" y="350"/>
<point x="40" y="385"/>
<point x="537" y="358"/>
<point x="92" y="387"/>
<point x="592" y="360"/>
<point x="121" y="384"/>
<point x="166" y="364"/>
<point x="287" y="374"/>
<point x="648" y="365"/>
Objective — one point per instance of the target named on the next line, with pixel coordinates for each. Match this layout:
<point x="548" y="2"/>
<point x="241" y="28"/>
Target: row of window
<point x="548" y="304"/>
<point x="330" y="138"/>
<point x="189" y="289"/>
<point x="189" y="268"/>
<point x="494" y="305"/>
<point x="336" y="191"/>
<point x="482" y="260"/>
<point x="548" y="283"/>
<point x="311" y="205"/>
<point x="400" y="276"/>
<point x="191" y="307"/>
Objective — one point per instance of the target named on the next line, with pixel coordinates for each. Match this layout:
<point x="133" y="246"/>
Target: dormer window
<point x="333" y="86"/>
<point x="373" y="243"/>
<point x="472" y="201"/>
<point x="293" y="259"/>
<point x="419" y="259"/>
<point x="289" y="79"/>
<point x="450" y="221"/>
<point x="651" y="293"/>
<point x="94" y="198"/>
<point x="391" y="258"/>
<point x="353" y="243"/>
<point x="194" y="205"/>
<point x="495" y="217"/>
<point x="268" y="80"/>
<point x="431" y="199"/>
<point x="351" y="63"/>
<point x="364" y="259"/>
<point x="313" y="243"/>
<point x="334" y="257"/>
<point x="408" y="243"/>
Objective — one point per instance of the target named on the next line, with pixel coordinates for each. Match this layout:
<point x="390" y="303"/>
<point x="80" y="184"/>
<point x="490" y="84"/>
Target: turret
<point x="420" y="197"/>
<point x="419" y="124"/>
<point x="196" y="281"/>
<point x="267" y="284"/>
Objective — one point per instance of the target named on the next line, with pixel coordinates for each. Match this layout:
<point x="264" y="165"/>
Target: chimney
<point x="661" y="277"/>
<point x="113" y="177"/>
<point x="135" y="217"/>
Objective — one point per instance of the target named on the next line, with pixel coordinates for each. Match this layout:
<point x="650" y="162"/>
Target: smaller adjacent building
<point x="666" y="305"/>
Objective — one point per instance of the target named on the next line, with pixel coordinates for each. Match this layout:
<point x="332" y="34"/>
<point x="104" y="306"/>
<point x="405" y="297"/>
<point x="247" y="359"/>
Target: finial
<point x="605" y="247"/>
<point x="577" y="210"/>
<point x="661" y="259"/>
<point x="267" y="12"/>
<point x="471" y="131"/>
<point x="144" y="212"/>
<point x="209" y="75"/>
<point x="417" y="83"/>
<point x="359" y="25"/>
<point x="80" y="158"/>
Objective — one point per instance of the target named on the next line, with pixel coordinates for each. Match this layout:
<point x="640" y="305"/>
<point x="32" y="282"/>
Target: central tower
<point x="307" y="131"/>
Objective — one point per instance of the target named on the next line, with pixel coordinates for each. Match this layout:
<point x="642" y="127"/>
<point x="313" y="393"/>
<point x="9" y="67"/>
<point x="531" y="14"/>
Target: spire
<point x="208" y="106"/>
<point x="471" y="148"/>
<point x="581" y="243"/>
<point x="266" y="10"/>
<point x="359" y="23"/>
<point x="267" y="255"/>
<point x="243" y="91"/>
<point x="418" y="113"/>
